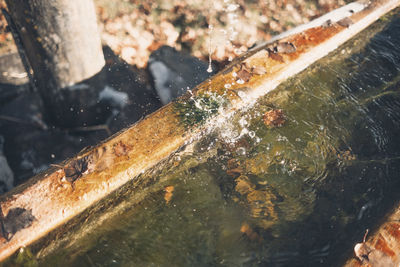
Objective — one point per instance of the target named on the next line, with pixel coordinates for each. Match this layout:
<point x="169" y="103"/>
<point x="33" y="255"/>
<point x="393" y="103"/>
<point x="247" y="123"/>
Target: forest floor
<point x="226" y="28"/>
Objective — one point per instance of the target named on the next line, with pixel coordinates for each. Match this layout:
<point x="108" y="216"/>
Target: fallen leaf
<point x="275" y="56"/>
<point x="259" y="70"/>
<point x="244" y="75"/>
<point x="285" y="47"/>
<point x="346" y="22"/>
<point x="274" y="118"/>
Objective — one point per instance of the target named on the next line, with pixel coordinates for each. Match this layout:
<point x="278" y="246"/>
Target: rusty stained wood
<point x="382" y="248"/>
<point x="54" y="197"/>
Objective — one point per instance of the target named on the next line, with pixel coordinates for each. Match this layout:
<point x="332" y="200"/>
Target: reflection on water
<point x="255" y="192"/>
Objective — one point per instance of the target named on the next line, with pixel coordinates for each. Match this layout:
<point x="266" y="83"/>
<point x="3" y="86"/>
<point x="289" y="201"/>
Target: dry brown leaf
<point x="275" y="56"/>
<point x="274" y="118"/>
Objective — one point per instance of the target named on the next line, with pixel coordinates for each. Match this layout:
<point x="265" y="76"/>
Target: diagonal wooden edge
<point x="383" y="246"/>
<point x="50" y="199"/>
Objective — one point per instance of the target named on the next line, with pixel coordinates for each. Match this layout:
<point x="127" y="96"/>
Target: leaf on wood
<point x="100" y="159"/>
<point x="244" y="75"/>
<point x="327" y="23"/>
<point x="75" y="169"/>
<point x="285" y="47"/>
<point x="259" y="70"/>
<point x="16" y="219"/>
<point x="346" y="22"/>
<point x="275" y="56"/>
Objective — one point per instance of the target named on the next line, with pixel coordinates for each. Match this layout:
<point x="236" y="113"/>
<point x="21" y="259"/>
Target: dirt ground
<point x="226" y="28"/>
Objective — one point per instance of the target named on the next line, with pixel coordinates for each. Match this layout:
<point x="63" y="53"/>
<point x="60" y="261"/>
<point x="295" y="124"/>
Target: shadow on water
<point x="250" y="194"/>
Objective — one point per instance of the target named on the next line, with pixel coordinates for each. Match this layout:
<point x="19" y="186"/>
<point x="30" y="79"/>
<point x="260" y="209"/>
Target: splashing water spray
<point x="210" y="30"/>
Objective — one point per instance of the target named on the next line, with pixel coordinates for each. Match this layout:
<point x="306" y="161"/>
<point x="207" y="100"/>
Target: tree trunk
<point x="62" y="43"/>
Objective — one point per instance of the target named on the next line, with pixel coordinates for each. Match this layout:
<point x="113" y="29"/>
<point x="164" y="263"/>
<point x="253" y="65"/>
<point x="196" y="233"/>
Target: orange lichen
<point x="381" y="244"/>
<point x="394" y="230"/>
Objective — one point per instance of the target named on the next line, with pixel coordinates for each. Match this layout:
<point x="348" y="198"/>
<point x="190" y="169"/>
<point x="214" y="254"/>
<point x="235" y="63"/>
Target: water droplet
<point x="241" y="94"/>
<point x="241" y="151"/>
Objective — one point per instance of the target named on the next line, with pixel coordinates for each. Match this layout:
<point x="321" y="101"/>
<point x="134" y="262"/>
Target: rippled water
<point x="249" y="194"/>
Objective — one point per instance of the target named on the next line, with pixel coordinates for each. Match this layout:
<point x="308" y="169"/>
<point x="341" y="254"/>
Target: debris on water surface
<point x="250" y="233"/>
<point x="346" y="155"/>
<point x="274" y="118"/>
<point x="168" y="193"/>
<point x="243" y="185"/>
<point x="262" y="207"/>
<point x="16" y="219"/>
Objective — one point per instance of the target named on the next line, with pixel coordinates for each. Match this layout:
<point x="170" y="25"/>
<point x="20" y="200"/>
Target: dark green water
<point x="252" y="195"/>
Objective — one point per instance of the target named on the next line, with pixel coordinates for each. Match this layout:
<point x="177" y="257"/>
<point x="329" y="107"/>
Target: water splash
<point x="210" y="31"/>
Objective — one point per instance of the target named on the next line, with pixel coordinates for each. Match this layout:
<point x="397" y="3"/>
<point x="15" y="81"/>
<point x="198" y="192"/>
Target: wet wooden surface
<point x="62" y="192"/>
<point x="382" y="247"/>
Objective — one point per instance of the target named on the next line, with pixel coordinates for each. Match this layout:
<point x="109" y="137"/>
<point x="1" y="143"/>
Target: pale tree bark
<point x="62" y="43"/>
